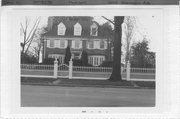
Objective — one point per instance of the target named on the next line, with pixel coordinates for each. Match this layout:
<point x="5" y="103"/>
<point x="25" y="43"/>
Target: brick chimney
<point x="50" y="23"/>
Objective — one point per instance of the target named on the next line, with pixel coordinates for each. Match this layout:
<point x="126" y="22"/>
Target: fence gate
<point x="63" y="71"/>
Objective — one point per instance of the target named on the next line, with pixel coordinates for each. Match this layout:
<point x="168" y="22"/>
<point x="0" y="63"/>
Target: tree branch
<point x="108" y="20"/>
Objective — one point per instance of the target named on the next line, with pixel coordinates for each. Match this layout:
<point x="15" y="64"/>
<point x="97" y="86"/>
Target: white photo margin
<point x="167" y="68"/>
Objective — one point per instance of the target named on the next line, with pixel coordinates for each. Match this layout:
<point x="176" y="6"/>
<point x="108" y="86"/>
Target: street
<point x="57" y="96"/>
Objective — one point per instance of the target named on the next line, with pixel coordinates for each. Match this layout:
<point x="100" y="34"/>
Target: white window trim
<point x="73" y="44"/>
<point x="66" y="43"/>
<point x="91" y="59"/>
<point x="96" y="44"/>
<point x="57" y="43"/>
<point x="77" y="29"/>
<point x="94" y="26"/>
<point x="58" y="56"/>
<point x="88" y="43"/>
<point x="105" y="45"/>
<point x="59" y="32"/>
<point x="49" y="42"/>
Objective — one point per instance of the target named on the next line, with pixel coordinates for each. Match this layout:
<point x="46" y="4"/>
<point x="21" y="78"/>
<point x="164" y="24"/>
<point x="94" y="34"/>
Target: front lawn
<point x="85" y="82"/>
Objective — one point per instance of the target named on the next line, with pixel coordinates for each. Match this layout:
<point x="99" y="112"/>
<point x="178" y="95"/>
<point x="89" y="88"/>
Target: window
<point x="51" y="43"/>
<point x="102" y="45"/>
<point x="97" y="44"/>
<point x="62" y="43"/>
<point x="94" y="30"/>
<point x="76" y="55"/>
<point x="90" y="44"/>
<point x="77" y="29"/>
<point x="76" y="44"/>
<point x="58" y="56"/>
<point x="61" y="29"/>
<point x="96" y="60"/>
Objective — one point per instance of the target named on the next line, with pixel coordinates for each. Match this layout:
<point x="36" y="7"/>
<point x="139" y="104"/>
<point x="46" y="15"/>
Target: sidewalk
<point x="86" y="83"/>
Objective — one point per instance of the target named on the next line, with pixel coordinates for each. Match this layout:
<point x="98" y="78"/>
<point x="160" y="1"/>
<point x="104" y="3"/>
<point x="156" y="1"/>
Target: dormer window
<point x="94" y="30"/>
<point x="61" y="29"/>
<point x="77" y="29"/>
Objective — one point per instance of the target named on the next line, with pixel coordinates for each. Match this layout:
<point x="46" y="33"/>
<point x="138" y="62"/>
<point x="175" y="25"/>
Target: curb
<point x="79" y="85"/>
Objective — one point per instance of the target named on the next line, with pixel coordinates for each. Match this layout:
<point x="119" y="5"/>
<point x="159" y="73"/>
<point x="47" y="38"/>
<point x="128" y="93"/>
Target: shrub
<point x="106" y="64"/>
<point x="26" y="59"/>
<point x="48" y="61"/>
<point x="84" y="58"/>
<point x="77" y="62"/>
<point x="67" y="55"/>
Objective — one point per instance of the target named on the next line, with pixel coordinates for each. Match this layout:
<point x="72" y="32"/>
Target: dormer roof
<point x="86" y="25"/>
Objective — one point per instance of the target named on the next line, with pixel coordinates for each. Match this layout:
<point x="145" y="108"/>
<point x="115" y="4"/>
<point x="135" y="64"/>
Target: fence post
<point x="70" y="68"/>
<point x="128" y="71"/>
<point x="55" y="68"/>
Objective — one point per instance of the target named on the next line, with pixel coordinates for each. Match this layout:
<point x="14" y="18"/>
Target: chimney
<point x="50" y="23"/>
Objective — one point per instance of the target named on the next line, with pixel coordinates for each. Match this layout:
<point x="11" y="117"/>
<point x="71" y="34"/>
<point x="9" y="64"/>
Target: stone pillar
<point x="70" y="68"/>
<point x="55" y="68"/>
<point x="128" y="71"/>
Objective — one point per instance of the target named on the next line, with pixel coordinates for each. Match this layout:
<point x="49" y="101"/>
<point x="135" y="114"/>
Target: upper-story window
<point x="97" y="44"/>
<point x="103" y="44"/>
<point x="91" y="44"/>
<point x="61" y="29"/>
<point x="62" y="43"/>
<point x="57" y="43"/>
<point x="77" y="29"/>
<point x="94" y="30"/>
<point x="76" y="44"/>
<point x="51" y="44"/>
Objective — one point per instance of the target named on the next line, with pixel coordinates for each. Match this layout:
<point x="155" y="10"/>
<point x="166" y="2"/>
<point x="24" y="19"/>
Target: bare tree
<point x="28" y="33"/>
<point x="37" y="43"/>
<point x="129" y="31"/>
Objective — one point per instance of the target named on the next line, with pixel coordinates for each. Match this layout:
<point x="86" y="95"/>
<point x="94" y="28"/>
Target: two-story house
<point x="79" y="35"/>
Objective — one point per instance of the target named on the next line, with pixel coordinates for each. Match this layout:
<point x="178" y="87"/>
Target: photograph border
<point x="11" y="88"/>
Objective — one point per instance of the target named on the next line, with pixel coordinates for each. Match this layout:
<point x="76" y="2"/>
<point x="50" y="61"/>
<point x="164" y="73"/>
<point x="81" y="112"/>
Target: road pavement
<point x="57" y="96"/>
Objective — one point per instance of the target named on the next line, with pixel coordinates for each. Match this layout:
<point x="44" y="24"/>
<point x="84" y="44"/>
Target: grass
<point x="85" y="82"/>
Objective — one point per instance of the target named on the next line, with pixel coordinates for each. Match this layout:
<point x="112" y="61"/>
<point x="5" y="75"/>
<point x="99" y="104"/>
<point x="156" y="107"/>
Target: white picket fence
<point x="70" y="71"/>
<point x="142" y="70"/>
<point x="36" y="67"/>
<point x="91" y="69"/>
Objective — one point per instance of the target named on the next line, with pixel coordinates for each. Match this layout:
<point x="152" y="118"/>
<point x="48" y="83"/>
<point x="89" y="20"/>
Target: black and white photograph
<point x="88" y="61"/>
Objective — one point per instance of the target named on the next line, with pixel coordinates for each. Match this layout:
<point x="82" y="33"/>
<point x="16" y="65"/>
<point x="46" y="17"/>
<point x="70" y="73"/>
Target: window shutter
<point x="80" y="44"/>
<point x="73" y="44"/>
<point x="105" y="44"/>
<point x="97" y="44"/>
<point x="66" y="43"/>
<point x="48" y="43"/>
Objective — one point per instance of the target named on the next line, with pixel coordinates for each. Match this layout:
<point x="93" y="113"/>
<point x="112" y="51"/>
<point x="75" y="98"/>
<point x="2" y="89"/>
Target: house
<point x="79" y="35"/>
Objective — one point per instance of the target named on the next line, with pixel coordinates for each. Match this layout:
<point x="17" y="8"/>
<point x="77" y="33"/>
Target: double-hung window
<point x="91" y="44"/>
<point x="51" y="44"/>
<point x="76" y="44"/>
<point x="62" y="43"/>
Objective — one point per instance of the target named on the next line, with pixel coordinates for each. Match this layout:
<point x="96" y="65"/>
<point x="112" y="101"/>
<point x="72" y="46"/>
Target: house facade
<point x="79" y="35"/>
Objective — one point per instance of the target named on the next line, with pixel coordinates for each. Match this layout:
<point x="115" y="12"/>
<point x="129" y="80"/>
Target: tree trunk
<point x="116" y="73"/>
